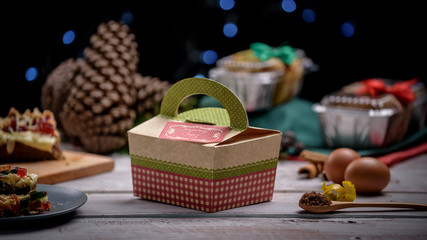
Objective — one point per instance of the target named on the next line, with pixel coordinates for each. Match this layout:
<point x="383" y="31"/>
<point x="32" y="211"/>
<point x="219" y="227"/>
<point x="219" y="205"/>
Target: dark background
<point x="389" y="39"/>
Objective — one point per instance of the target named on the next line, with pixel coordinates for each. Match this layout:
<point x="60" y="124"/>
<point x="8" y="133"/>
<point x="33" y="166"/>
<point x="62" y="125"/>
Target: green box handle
<point x="192" y="86"/>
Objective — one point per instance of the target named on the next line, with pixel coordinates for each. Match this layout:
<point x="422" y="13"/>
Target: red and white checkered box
<point x="203" y="194"/>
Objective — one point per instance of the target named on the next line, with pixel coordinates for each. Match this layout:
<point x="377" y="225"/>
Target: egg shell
<point x="337" y="162"/>
<point x="369" y="175"/>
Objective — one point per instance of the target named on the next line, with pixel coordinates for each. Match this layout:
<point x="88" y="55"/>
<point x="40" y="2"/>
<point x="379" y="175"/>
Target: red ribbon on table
<point x="400" y="156"/>
<point x="401" y="90"/>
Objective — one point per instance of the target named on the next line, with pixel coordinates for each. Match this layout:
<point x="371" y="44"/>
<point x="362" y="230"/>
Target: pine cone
<point x="99" y="108"/>
<point x="57" y="86"/>
<point x="150" y="92"/>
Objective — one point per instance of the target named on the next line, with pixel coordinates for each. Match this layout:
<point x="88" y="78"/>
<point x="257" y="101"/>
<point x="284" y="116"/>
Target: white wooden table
<point x="112" y="212"/>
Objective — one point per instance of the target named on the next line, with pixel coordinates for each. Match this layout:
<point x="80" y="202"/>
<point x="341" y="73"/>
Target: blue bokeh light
<point x="68" y="37"/>
<point x="199" y="75"/>
<point x="230" y="30"/>
<point x="289" y="5"/>
<point x="308" y="15"/>
<point x="127" y="17"/>
<point x="347" y="29"/>
<point x="31" y="74"/>
<point x="209" y="57"/>
<point x="226" y="4"/>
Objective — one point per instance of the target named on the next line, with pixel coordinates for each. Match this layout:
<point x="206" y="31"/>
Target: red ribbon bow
<point x="401" y="90"/>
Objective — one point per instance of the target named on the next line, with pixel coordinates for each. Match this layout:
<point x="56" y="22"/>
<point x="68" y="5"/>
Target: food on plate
<point x="16" y="180"/>
<point x="368" y="174"/>
<point x="337" y="162"/>
<point x="29" y="136"/>
<point x="18" y="193"/>
<point x="34" y="202"/>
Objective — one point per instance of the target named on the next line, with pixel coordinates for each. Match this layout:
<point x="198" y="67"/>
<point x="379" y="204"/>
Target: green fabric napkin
<point x="297" y="116"/>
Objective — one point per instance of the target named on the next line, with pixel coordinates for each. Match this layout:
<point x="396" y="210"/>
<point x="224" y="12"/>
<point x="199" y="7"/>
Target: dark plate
<point x="63" y="201"/>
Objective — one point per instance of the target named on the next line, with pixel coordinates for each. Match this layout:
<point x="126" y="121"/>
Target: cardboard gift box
<point x="206" y="159"/>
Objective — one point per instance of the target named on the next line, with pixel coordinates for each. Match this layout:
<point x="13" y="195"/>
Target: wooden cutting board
<point x="75" y="165"/>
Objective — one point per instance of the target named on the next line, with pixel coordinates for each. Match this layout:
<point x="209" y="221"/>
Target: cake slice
<point x="18" y="194"/>
<point x="30" y="136"/>
<point x="34" y="202"/>
<point x="16" y="180"/>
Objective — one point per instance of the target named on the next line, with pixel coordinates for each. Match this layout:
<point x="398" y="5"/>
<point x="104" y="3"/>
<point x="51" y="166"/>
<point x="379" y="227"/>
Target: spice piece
<point x="311" y="170"/>
<point x="313" y="157"/>
<point x="315" y="167"/>
<point x="314" y="199"/>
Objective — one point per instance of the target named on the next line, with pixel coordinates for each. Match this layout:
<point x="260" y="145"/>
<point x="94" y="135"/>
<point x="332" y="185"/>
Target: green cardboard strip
<point x="203" y="172"/>
<point x="192" y="86"/>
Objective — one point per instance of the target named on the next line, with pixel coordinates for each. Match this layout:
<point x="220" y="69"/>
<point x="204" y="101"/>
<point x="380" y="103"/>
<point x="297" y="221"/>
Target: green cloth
<point x="297" y="116"/>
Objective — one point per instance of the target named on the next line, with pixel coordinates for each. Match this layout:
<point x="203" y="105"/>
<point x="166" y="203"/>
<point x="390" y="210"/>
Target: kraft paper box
<point x="206" y="159"/>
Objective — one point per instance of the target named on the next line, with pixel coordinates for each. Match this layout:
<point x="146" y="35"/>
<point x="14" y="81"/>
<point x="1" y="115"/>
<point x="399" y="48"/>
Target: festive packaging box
<point x="206" y="159"/>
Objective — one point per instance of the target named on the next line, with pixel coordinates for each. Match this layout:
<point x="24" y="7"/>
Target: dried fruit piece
<point x="336" y="192"/>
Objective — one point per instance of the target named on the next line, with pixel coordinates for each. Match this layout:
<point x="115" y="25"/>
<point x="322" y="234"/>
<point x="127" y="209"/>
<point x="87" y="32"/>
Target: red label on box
<point x="193" y="132"/>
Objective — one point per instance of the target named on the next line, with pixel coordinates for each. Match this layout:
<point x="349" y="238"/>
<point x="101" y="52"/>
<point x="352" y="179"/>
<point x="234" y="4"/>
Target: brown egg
<point x="369" y="175"/>
<point x="337" y="162"/>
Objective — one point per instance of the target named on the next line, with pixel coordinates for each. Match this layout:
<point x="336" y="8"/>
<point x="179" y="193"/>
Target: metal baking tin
<point x="370" y="128"/>
<point x="357" y="128"/>
<point x="255" y="89"/>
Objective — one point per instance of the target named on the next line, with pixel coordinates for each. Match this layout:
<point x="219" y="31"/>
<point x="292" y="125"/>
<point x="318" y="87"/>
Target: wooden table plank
<point x="284" y="204"/>
<point x="75" y="227"/>
<point x="408" y="176"/>
<point x="112" y="212"/>
<point x="120" y="179"/>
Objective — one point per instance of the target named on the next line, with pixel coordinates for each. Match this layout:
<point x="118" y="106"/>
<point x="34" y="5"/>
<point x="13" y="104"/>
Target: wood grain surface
<point x="75" y="165"/>
<point x="112" y="212"/>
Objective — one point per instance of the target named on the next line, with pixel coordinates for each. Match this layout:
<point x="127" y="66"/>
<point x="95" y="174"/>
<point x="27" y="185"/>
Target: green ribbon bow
<point x="264" y="52"/>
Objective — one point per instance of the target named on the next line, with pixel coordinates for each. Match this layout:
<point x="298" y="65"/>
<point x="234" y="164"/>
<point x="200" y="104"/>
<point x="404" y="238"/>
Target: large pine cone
<point x="150" y="93"/>
<point x="98" y="97"/>
<point x="57" y="86"/>
<point x="99" y="109"/>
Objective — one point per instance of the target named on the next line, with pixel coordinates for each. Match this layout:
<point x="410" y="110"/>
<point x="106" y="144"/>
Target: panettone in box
<point x="262" y="76"/>
<point x="373" y="113"/>
<point x="206" y="159"/>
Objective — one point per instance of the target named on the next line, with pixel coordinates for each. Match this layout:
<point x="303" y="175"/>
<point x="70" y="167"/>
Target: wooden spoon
<point x="340" y="205"/>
